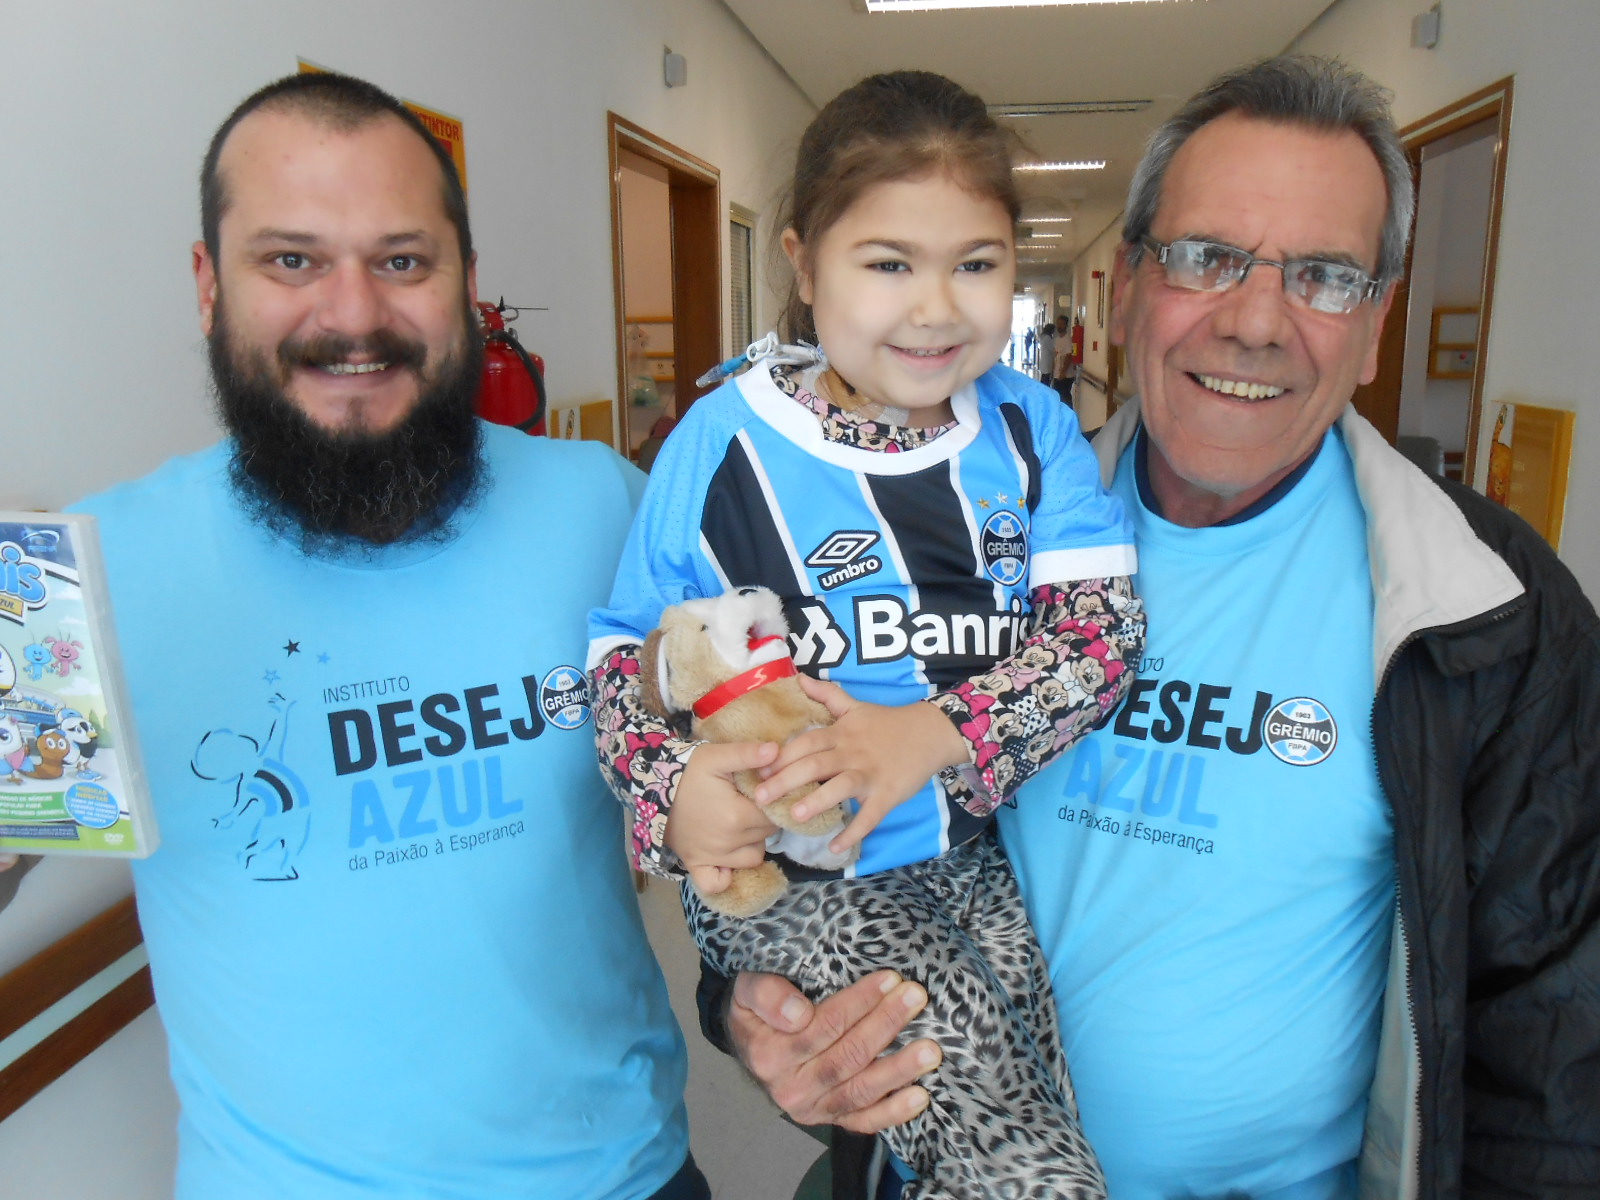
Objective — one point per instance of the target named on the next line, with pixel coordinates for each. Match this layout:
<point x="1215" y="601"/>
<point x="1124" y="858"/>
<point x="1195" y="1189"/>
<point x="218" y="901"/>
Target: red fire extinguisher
<point x="512" y="392"/>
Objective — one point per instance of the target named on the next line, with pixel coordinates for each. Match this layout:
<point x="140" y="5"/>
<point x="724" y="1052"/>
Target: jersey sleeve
<point x="662" y="563"/>
<point x="1078" y="529"/>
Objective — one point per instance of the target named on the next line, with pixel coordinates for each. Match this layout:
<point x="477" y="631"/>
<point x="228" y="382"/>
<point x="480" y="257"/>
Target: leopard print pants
<point x="1002" y="1123"/>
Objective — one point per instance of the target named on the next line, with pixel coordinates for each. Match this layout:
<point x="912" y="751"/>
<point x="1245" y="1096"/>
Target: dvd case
<point x="71" y="780"/>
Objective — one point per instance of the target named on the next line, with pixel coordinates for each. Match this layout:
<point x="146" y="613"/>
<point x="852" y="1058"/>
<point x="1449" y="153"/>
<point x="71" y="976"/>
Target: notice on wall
<point x="451" y="131"/>
<point x="1530" y="455"/>
<point x="451" y="134"/>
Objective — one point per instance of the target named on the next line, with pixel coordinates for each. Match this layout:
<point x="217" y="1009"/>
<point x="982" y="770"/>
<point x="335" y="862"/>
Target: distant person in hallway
<point x="394" y="948"/>
<point x="947" y="557"/>
<point x="1322" y="901"/>
<point x="1047" y="352"/>
<point x="1062" y="374"/>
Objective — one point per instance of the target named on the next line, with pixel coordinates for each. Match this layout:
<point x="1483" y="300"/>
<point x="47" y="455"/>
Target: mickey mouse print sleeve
<point x="1085" y="639"/>
<point x="641" y="757"/>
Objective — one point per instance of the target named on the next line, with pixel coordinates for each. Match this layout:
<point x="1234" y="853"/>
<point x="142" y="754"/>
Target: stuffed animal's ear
<point x="652" y="688"/>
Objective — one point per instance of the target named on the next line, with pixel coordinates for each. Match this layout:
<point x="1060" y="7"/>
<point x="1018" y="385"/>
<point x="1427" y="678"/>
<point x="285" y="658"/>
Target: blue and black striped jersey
<point x="902" y="572"/>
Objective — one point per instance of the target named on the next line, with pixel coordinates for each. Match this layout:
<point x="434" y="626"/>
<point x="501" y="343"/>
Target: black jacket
<point x="1484" y="730"/>
<point x="1488" y="660"/>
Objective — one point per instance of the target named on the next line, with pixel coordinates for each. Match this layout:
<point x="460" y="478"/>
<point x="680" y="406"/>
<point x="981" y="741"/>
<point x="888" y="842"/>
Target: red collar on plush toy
<point x="725" y="694"/>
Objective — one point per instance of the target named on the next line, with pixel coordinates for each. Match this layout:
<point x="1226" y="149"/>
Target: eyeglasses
<point x="1325" y="287"/>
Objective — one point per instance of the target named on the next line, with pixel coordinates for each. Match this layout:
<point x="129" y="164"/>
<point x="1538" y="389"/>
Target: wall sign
<point x="450" y="131"/>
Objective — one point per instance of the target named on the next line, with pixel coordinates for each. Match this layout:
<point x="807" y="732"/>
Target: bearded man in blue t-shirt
<point x="1319" y="903"/>
<point x="393" y="938"/>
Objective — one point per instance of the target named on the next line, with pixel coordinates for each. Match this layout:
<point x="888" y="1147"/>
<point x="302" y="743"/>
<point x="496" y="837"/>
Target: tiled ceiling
<point x="1159" y="52"/>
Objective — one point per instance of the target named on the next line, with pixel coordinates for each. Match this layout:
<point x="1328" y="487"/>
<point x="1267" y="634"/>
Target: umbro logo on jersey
<point x="1005" y="548"/>
<point x="841" y="548"/>
<point x="843" y="551"/>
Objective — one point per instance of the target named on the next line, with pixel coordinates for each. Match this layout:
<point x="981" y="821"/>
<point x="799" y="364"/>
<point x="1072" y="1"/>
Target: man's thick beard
<point x="334" y="490"/>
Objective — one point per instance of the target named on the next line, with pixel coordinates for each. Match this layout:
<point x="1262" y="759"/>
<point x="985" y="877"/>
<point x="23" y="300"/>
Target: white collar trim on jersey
<point x="799" y="425"/>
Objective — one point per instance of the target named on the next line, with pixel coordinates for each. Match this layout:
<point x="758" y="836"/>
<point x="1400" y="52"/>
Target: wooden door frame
<point x="694" y="189"/>
<point x="1379" y="401"/>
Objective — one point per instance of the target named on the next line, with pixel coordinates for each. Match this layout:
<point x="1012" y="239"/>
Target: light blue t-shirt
<point x="393" y="936"/>
<point x="1212" y="875"/>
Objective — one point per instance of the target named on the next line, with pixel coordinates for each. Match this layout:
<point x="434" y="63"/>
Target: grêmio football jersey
<point x="902" y="572"/>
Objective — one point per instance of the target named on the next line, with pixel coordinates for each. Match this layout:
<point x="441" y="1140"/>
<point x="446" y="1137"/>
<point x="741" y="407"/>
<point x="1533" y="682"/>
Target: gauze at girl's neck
<point x="813" y="372"/>
<point x="838" y="392"/>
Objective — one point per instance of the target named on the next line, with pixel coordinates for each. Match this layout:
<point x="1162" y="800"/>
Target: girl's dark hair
<point x="901" y="125"/>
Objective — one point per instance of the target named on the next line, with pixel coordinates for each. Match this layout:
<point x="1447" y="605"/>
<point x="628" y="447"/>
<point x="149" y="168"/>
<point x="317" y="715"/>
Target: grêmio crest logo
<point x="1300" y="732"/>
<point x="841" y="555"/>
<point x="1004" y="542"/>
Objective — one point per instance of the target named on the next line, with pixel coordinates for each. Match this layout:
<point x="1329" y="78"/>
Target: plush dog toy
<point x="725" y="659"/>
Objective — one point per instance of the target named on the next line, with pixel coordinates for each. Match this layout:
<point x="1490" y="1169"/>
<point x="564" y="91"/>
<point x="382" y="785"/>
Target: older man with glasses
<point x="1321" y="903"/>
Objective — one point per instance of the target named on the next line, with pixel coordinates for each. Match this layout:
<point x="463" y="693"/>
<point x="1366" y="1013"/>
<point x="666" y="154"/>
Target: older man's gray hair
<point x="1318" y="93"/>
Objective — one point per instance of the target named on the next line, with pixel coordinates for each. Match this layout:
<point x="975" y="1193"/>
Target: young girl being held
<point x="949" y="564"/>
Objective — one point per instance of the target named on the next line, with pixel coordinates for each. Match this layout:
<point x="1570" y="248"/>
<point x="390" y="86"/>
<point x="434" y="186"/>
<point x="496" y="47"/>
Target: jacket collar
<point x="1429" y="569"/>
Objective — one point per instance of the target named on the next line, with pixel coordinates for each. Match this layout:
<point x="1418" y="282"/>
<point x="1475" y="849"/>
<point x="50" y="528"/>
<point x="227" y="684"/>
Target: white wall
<point x="109" y="107"/>
<point x="1549" y="240"/>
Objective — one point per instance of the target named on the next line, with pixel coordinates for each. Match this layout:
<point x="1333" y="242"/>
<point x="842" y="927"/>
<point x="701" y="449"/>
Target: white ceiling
<point x="1162" y="52"/>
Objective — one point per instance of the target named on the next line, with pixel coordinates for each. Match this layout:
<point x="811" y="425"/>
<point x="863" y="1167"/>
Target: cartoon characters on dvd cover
<point x="70" y="776"/>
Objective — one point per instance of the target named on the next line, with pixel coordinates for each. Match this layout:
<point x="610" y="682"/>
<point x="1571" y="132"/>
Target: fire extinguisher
<point x="512" y="392"/>
<point x="1077" y="345"/>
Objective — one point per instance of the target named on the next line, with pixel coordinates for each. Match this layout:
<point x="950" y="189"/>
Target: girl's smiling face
<point x="911" y="291"/>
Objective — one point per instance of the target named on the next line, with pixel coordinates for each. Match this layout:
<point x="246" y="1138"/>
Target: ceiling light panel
<point x="1086" y="164"/>
<point x="880" y="6"/>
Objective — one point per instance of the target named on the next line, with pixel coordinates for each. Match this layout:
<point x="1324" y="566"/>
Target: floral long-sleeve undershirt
<point x="1085" y="638"/>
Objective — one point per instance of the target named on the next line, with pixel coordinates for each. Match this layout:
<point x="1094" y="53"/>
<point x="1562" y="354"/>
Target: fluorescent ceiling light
<point x="1044" y="220"/>
<point x="1096" y="164"/>
<point x="1057" y="108"/>
<point x="879" y="6"/>
<point x="1046" y="235"/>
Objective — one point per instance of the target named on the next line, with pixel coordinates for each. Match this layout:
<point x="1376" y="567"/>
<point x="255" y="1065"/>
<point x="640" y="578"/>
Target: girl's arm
<point x="1085" y="641"/>
<point x="684" y="813"/>
<point x="1069" y="674"/>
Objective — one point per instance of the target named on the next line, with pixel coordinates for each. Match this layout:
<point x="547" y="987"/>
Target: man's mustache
<point x="331" y="349"/>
